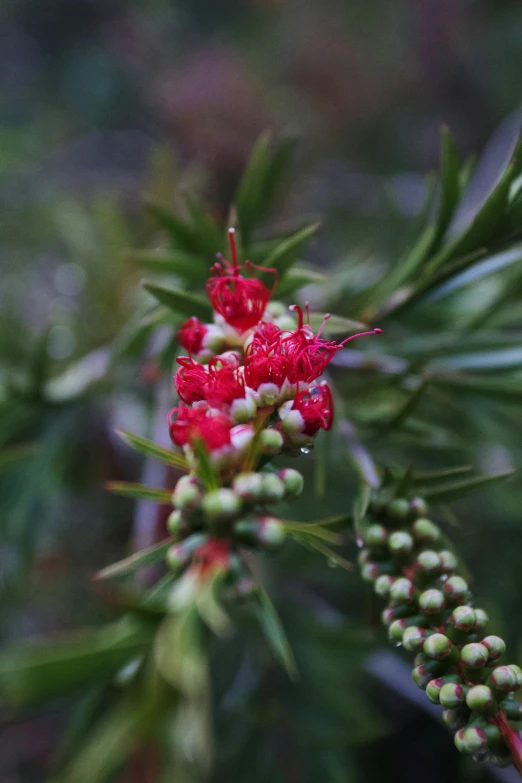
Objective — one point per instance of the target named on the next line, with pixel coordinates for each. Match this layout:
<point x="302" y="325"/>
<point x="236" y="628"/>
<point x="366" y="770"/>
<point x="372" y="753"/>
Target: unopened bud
<point x="271" y="441"/>
<point x="243" y="409"/>
<point x="517" y="672"/>
<point x="375" y="535"/>
<point x="495" y="645"/>
<point x="272" y="488"/>
<point x="471" y="740"/>
<point x="383" y="585"/>
<point x="398" y="508"/>
<point x="248" y="486"/>
<point x="293" y="481"/>
<point x="481" y="620"/>
<point x="456" y="588"/>
<point x="474" y="655"/>
<point x="451" y="694"/>
<point x="418" y="507"/>
<point x="179" y="555"/>
<point x="187" y="494"/>
<point x="479" y="698"/>
<point x="268" y="532"/>
<point x="448" y="561"/>
<point x="402" y="591"/>
<point x="400" y="543"/>
<point x="369" y="571"/>
<point x="431" y="601"/>
<point x="424" y="530"/>
<point x="454" y="719"/>
<point x="463" y="618"/>
<point x="438" y="647"/>
<point x="504" y="679"/>
<point x="177" y="525"/>
<point x="413" y="638"/>
<point x="428" y="562"/>
<point x="221" y="504"/>
<point x="396" y="631"/>
<point x="421" y="677"/>
<point x="241" y="437"/>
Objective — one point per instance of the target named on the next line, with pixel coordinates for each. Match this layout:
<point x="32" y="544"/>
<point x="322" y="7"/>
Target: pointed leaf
<point x="192" y="267"/>
<point x="152" y="450"/>
<point x="139" y="491"/>
<point x="450" y="181"/>
<point x="508" y="390"/>
<point x="181" y="233"/>
<point x="298" y="277"/>
<point x="135" y="562"/>
<point x="181" y="302"/>
<point x="458" y="489"/>
<point x="275" y="633"/>
<point x="331" y="555"/>
<point x="285" y="254"/>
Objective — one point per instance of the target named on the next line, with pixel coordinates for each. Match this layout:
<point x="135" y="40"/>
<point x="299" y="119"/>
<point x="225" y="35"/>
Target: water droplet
<point x="305" y="450"/>
<point x="444" y="578"/>
<point x="396" y="644"/>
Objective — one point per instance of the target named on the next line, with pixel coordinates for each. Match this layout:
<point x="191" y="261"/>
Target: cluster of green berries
<point x="430" y="613"/>
<point x="214" y="524"/>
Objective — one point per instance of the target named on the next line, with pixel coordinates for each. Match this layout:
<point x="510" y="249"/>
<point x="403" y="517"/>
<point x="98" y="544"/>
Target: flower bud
<point x="187" y="493"/>
<point x="375" y="535"/>
<point x="418" y="507"/>
<point x="369" y="571"/>
<point x="474" y="655"/>
<point x="243" y="409"/>
<point x="413" y="638"/>
<point x="248" y="486"/>
<point x="421" y="677"/>
<point x="268" y="532"/>
<point x="456" y="588"/>
<point x="512" y="708"/>
<point x="293" y="481"/>
<point x="400" y="543"/>
<point x="431" y="601"/>
<point x="383" y="585"/>
<point x="518" y="673"/>
<point x="481" y="620"/>
<point x="221" y="504"/>
<point x="272" y="488"/>
<point x="479" y="698"/>
<point x="179" y="555"/>
<point x="471" y="740"/>
<point x="438" y="647"/>
<point x="363" y="557"/>
<point x="495" y="645"/>
<point x="387" y="616"/>
<point x="433" y="690"/>
<point x="428" y="562"/>
<point x="463" y="618"/>
<point x="424" y="530"/>
<point x="454" y="718"/>
<point x="504" y="679"/>
<point x="398" y="509"/>
<point x="402" y="591"/>
<point x="451" y="694"/>
<point x="271" y="441"/>
<point x="396" y="631"/>
<point x="241" y="437"/>
<point x="448" y="561"/>
<point x="177" y="525"/>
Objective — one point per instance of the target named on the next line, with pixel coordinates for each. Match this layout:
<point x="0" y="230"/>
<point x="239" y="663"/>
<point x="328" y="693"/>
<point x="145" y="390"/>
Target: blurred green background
<point x="105" y="101"/>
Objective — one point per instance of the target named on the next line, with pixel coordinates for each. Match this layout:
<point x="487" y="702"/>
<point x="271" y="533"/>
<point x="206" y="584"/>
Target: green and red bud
<point x="479" y="698"/>
<point x="293" y="481"/>
<point x="474" y="655"/>
<point x="267" y="532"/>
<point x="431" y="601"/>
<point x="221" y="505"/>
<point x="398" y="509"/>
<point x="400" y="543"/>
<point x="418" y="507"/>
<point x="438" y="646"/>
<point x="425" y="531"/>
<point x="495" y="645"/>
<point x="179" y="555"/>
<point x="187" y="493"/>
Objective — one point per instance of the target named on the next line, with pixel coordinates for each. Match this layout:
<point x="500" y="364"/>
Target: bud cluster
<point x="430" y="612"/>
<point x="249" y="391"/>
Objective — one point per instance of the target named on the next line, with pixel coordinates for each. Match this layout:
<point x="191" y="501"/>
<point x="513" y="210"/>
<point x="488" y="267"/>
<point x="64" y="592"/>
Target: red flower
<point x="191" y="380"/>
<point x="316" y="407"/>
<point x="214" y="554"/>
<point x="192" y="424"/>
<point x="309" y="354"/>
<point x="240" y="300"/>
<point x="265" y="363"/>
<point x="225" y="382"/>
<point x="190" y="335"/>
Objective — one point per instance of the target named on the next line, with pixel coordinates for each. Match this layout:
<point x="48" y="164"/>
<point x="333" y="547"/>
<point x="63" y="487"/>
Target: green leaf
<point x="360" y="507"/>
<point x="298" y="277"/>
<point x="275" y="633"/>
<point x="428" y="476"/>
<point x="135" y="562"/>
<point x="14" y="454"/>
<point x="407" y="408"/>
<point x="150" y="449"/>
<point x="181" y="302"/>
<point x="507" y="390"/>
<point x="192" y="267"/>
<point x="331" y="555"/>
<point x="314" y="529"/>
<point x="182" y="234"/>
<point x="47" y="669"/>
<point x="449" y="182"/>
<point x="206" y="470"/>
<point x="458" y="489"/>
<point x="337" y="324"/>
<point x="139" y="491"/>
<point x="285" y="254"/>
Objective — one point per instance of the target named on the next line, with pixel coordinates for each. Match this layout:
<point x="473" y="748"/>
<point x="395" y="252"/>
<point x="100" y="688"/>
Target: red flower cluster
<point x="199" y="423"/>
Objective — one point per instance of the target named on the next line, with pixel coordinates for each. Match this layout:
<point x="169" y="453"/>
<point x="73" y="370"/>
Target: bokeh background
<point x="104" y="101"/>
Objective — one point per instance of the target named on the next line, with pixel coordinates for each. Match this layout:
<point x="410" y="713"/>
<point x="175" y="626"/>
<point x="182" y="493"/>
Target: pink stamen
<point x="300" y="317"/>
<point x="307" y="308"/>
<point x="325" y="319"/>
<point x="361" y="334"/>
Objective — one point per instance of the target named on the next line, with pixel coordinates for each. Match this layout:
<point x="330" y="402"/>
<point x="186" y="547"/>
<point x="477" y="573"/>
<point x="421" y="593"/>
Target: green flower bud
<point x="428" y="562"/>
<point x="363" y="557"/>
<point x="518" y="673"/>
<point x="503" y="678"/>
<point x="402" y="591"/>
<point x="474" y="655"/>
<point x="448" y="561"/>
<point x="179" y="555"/>
<point x="418" y="507"/>
<point x="424" y="530"/>
<point x="463" y="618"/>
<point x="369" y="572"/>
<point x="438" y="647"/>
<point x="396" y="631"/>
<point x="398" y="509"/>
<point x="479" y="698"/>
<point x="495" y="645"/>
<point x="456" y="588"/>
<point x="221" y="504"/>
<point x="512" y="708"/>
<point x="248" y="486"/>
<point x="383" y="585"/>
<point x="243" y="409"/>
<point x="293" y="481"/>
<point x="413" y="638"/>
<point x="177" y="525"/>
<point x="421" y="677"/>
<point x="433" y="690"/>
<point x="268" y="532"/>
<point x="387" y="617"/>
<point x="375" y="535"/>
<point x="431" y="601"/>
<point x="471" y="740"/>
<point x="454" y="719"/>
<point x="451" y="694"/>
<point x="272" y="488"/>
<point x="400" y="543"/>
<point x="481" y="620"/>
<point x="271" y="441"/>
<point x="187" y="493"/>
